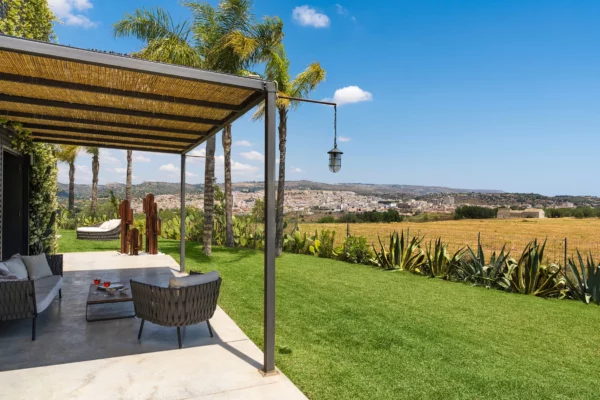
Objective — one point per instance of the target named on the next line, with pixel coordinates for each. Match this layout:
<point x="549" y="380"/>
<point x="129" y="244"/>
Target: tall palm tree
<point x="128" y="186"/>
<point x="229" y="40"/>
<point x="95" y="153"/>
<point x="209" y="195"/>
<point x="226" y="139"/>
<point x="277" y="69"/>
<point x="68" y="154"/>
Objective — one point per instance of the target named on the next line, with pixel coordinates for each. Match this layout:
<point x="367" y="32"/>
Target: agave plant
<point x="438" y="261"/>
<point x="493" y="274"/>
<point x="404" y="253"/>
<point x="530" y="276"/>
<point x="585" y="283"/>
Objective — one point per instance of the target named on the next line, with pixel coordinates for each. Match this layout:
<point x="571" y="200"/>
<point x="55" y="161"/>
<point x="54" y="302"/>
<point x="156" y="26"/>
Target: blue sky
<point x="467" y="94"/>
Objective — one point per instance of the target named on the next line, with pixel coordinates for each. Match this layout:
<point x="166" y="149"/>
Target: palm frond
<point x="307" y="80"/>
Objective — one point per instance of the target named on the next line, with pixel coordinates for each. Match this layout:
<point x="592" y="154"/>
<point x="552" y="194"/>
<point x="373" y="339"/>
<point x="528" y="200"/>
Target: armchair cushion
<point x="16" y="266"/>
<point x="192" y="280"/>
<point x="37" y="266"/>
<point x="46" y="289"/>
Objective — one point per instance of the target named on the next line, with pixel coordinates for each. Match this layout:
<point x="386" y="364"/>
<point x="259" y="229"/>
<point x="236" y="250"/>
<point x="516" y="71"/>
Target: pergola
<point x="67" y="95"/>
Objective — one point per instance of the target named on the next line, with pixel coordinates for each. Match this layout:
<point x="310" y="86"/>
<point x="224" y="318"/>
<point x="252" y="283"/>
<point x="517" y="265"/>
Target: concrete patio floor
<point x="75" y="359"/>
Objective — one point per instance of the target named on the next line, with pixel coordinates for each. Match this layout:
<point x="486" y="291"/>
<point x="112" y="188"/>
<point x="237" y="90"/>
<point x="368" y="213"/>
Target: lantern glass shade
<point x="335" y="160"/>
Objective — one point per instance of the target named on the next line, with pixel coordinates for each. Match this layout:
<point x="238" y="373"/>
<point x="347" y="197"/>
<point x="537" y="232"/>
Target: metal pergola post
<point x="182" y="224"/>
<point x="269" y="252"/>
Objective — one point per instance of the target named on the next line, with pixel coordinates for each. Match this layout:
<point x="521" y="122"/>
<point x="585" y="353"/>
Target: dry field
<point x="583" y="234"/>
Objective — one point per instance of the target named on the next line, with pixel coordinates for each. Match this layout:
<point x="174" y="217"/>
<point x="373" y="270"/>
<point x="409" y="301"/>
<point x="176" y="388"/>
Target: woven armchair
<point x="17" y="298"/>
<point x="175" y="307"/>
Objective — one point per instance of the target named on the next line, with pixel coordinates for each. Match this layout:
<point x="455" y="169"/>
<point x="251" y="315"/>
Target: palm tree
<point x="95" y="153"/>
<point x="209" y="195"/>
<point x="68" y="154"/>
<point x="165" y="40"/>
<point x="128" y="177"/>
<point x="230" y="41"/>
<point x="226" y="138"/>
<point x="277" y="69"/>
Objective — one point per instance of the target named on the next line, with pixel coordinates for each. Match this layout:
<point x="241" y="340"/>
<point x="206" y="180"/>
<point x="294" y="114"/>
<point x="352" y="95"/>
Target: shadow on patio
<point x="75" y="358"/>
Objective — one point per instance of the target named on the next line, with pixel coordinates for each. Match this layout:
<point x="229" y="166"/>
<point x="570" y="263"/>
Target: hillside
<point x="84" y="191"/>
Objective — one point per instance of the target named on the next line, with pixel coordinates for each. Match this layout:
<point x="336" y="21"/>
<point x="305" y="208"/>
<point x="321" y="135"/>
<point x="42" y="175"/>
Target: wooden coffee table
<point x="96" y="297"/>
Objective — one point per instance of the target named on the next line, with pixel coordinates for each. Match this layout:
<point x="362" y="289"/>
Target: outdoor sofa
<point x="26" y="293"/>
<point x="109" y="230"/>
<point x="187" y="301"/>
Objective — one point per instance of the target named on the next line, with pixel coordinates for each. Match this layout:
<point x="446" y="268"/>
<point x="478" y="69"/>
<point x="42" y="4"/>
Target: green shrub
<point x="355" y="250"/>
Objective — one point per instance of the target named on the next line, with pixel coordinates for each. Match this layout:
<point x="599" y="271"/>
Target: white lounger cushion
<point x="110" y="225"/>
<point x="91" y="229"/>
<point x="105" y="227"/>
<point x="193" y="280"/>
<point x="46" y="289"/>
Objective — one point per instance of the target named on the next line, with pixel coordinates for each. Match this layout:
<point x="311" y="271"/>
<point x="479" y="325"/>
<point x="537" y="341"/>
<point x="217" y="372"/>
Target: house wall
<point x="6" y="145"/>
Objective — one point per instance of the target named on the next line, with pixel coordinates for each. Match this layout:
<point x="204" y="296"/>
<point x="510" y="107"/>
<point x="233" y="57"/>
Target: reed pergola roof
<point x="67" y="95"/>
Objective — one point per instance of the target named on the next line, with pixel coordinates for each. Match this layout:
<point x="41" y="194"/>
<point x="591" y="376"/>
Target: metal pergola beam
<point x="102" y="141"/>
<point x="54" y="140"/>
<point x="51" y="83"/>
<point x="59" y="52"/>
<point x="69" y="129"/>
<point x="106" y="110"/>
<point x="269" y="252"/>
<point x="45" y="117"/>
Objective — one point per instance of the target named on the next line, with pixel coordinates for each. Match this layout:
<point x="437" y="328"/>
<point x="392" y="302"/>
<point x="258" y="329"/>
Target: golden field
<point x="583" y="234"/>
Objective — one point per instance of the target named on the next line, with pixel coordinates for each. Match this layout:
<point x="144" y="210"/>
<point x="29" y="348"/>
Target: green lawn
<point x="354" y="332"/>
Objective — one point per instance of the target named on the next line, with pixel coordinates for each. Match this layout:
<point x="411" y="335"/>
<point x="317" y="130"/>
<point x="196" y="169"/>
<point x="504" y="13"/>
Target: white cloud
<point x="351" y="94"/>
<point x="169" y="168"/>
<point x="107" y="157"/>
<point x="295" y="169"/>
<point x="190" y="174"/>
<point x="141" y="158"/>
<point x="242" y="143"/>
<point x="120" y="170"/>
<point x="70" y="12"/>
<point x="307" y="16"/>
<point x="344" y="139"/>
<point x="253" y="155"/>
<point x="341" y="10"/>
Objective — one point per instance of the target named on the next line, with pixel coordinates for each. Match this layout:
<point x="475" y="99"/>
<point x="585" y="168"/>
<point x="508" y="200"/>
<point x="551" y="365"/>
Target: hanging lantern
<point x="335" y="155"/>
<point x="335" y="159"/>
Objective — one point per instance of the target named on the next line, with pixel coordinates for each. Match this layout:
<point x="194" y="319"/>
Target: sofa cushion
<point x="16" y="266"/>
<point x="37" y="266"/>
<point x="3" y="269"/>
<point x="46" y="289"/>
<point x="192" y="280"/>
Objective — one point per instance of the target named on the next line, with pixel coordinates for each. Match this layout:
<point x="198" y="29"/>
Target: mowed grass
<point x="354" y="332"/>
<point x="582" y="234"/>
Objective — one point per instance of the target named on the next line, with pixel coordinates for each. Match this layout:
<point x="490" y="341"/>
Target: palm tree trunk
<point x="228" y="193"/>
<point x="209" y="195"/>
<point x="128" y="178"/>
<point x="95" y="171"/>
<point x="281" y="182"/>
<point x="71" y="185"/>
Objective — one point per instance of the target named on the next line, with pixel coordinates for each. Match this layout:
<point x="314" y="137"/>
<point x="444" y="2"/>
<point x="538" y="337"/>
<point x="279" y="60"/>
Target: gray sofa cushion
<point x="46" y="289"/>
<point x="37" y="266"/>
<point x="192" y="280"/>
<point x="16" y="266"/>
